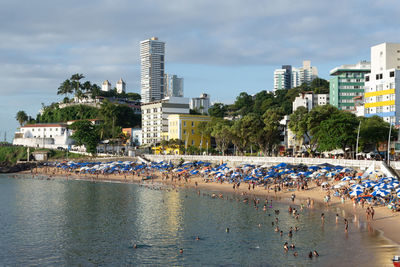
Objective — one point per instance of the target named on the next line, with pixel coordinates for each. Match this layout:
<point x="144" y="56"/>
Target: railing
<point x="270" y="161"/>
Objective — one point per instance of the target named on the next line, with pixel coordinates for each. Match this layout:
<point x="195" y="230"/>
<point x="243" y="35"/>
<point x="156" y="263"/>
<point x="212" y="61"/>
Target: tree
<point x="21" y="117"/>
<point x="65" y="88"/>
<point x="76" y="84"/>
<point x="85" y="133"/>
<point x="217" y="110"/>
<point x="299" y="125"/>
<point x="272" y="129"/>
<point x="204" y="130"/>
<point x="373" y="131"/>
<point x="221" y="133"/>
<point x="320" y="86"/>
<point x="243" y="104"/>
<point x="337" y="131"/>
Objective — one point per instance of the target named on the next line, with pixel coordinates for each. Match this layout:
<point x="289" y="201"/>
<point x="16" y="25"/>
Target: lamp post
<point x="358" y="136"/>
<point x="388" y="151"/>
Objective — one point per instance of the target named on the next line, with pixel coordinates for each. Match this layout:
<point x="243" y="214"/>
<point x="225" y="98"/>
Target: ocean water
<point x="72" y="223"/>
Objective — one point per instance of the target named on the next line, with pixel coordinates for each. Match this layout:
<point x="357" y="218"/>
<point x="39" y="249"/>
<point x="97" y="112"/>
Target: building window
<point x="192" y="131"/>
<point x="184" y="131"/>
<point x="192" y="142"/>
<point x="367" y="78"/>
<point x="192" y="123"/>
<point x="184" y="123"/>
<point x="391" y="74"/>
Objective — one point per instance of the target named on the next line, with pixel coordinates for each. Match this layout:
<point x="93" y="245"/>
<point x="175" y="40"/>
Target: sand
<point x="384" y="220"/>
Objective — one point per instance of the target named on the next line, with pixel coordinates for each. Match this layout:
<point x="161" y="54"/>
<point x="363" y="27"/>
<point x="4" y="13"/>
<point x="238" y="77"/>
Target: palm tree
<point x="65" y="88"/>
<point x="21" y="117"/>
<point x="75" y="78"/>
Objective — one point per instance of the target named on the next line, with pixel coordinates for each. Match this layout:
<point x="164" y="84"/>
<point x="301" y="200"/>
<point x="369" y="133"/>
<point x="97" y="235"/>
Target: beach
<point x="384" y="220"/>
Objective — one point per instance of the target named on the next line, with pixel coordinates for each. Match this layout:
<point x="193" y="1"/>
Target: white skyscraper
<point x="173" y="86"/>
<point x="152" y="54"/>
<point x="305" y="74"/>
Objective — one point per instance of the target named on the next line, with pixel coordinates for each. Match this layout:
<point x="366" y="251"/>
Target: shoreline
<point x="384" y="221"/>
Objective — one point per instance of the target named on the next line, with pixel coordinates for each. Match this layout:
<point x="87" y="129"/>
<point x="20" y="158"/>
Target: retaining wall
<point x="270" y="161"/>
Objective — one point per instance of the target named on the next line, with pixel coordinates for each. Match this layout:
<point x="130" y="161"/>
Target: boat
<point x="396" y="261"/>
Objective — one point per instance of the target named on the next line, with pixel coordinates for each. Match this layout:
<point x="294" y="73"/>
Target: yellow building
<point x="185" y="128"/>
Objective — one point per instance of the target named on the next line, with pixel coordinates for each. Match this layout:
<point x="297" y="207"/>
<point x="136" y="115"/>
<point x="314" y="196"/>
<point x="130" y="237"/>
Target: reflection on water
<point x="81" y="223"/>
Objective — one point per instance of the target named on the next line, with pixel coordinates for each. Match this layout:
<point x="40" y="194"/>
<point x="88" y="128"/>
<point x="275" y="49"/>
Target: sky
<point x="219" y="47"/>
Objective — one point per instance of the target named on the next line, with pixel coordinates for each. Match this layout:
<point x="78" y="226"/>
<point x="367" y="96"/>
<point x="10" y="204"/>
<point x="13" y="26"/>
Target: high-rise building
<point x="382" y="85"/>
<point x="173" y="86"/>
<point x="305" y="74"/>
<point x="201" y="104"/>
<point x="152" y="54"/>
<point x="288" y="77"/>
<point x="347" y="83"/>
<point x="121" y="86"/>
<point x="283" y="78"/>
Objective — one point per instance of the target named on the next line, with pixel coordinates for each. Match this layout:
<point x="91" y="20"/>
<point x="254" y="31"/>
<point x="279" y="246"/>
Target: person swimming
<point x="197" y="238"/>
<point x="292" y="246"/>
<point x="181" y="250"/>
<point x="316" y="253"/>
<point x="310" y="255"/>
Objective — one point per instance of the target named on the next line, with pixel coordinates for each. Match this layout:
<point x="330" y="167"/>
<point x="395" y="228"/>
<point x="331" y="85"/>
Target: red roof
<point x="43" y="125"/>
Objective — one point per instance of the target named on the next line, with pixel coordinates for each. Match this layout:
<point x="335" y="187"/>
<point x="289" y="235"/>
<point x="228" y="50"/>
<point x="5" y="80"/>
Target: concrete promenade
<point x="270" y="161"/>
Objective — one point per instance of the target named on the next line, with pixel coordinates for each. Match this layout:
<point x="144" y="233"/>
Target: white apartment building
<point x="382" y="85"/>
<point x="282" y="79"/>
<point x="155" y="118"/>
<point x="201" y="104"/>
<point x="310" y="100"/>
<point x="50" y="135"/>
<point x="106" y="86"/>
<point x="120" y="86"/>
<point x="304" y="74"/>
<point x="152" y="54"/>
<point x="173" y="86"/>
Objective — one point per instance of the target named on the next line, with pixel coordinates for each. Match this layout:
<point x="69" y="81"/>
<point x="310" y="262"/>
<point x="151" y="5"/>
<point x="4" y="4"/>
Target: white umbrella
<point x="356" y="193"/>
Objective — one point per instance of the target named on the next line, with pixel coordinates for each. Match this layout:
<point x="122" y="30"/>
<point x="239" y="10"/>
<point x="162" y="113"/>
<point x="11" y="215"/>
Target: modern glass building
<point x="347" y="83"/>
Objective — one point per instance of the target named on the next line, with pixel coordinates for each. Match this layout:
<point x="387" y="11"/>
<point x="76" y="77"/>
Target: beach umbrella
<point x="347" y="178"/>
<point x="339" y="185"/>
<point x="357" y="186"/>
<point x="356" y="193"/>
<point x="381" y="193"/>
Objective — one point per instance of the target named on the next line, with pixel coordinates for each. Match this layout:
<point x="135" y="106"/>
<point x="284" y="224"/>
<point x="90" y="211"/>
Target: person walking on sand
<point x="372" y="213"/>
<point x="346" y="225"/>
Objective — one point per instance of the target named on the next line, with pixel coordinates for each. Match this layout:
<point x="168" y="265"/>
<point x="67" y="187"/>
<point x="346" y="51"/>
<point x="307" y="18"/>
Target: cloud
<point x="45" y="41"/>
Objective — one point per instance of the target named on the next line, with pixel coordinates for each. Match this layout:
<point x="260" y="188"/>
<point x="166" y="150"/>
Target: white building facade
<point x="310" y="100"/>
<point x="201" y="104"/>
<point x="44" y="135"/>
<point x="382" y="85"/>
<point x="152" y="54"/>
<point x="106" y="86"/>
<point x="282" y="78"/>
<point x="155" y="118"/>
<point x="120" y="86"/>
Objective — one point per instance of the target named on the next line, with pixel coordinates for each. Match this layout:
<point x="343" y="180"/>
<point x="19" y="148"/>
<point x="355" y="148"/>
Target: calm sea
<point x="71" y="223"/>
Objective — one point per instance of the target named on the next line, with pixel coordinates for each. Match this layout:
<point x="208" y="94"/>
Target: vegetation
<point x="12" y="154"/>
<point x="326" y="128"/>
<point x="85" y="133"/>
<point x="21" y="117"/>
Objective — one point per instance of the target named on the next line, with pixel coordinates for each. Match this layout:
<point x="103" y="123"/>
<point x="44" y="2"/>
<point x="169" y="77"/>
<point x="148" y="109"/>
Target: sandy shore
<point x="384" y="220"/>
